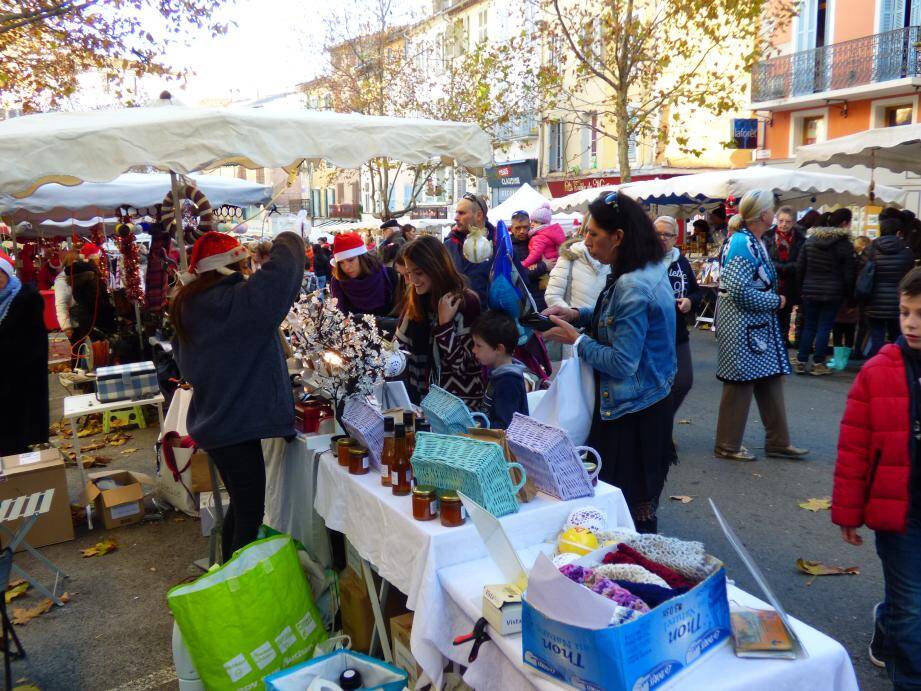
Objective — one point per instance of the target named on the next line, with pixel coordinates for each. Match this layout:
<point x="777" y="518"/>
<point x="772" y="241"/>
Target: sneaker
<point x="799" y="367"/>
<point x="742" y="454"/>
<point x="875" y="649"/>
<point x="820" y="368"/>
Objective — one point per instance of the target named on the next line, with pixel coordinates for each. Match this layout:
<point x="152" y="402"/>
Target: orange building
<point x="842" y="66"/>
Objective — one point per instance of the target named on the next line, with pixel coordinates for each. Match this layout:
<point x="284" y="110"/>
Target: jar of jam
<point x="389" y="451"/>
<point x="358" y="461"/>
<point x="425" y="505"/>
<point x="343" y="444"/>
<point x="453" y="512"/>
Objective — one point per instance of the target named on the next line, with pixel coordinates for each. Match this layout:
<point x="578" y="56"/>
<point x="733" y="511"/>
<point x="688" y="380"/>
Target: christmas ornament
<point x="577" y="541"/>
<point x="131" y="261"/>
<point x="196" y="213"/>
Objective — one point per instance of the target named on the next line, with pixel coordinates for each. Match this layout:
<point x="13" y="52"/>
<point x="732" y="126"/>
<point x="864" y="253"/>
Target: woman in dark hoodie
<point x="826" y="269"/>
<point x="892" y="258"/>
<point x="360" y="282"/>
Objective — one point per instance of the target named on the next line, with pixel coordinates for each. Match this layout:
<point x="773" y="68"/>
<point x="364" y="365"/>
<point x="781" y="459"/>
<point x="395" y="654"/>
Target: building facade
<point x="842" y="67"/>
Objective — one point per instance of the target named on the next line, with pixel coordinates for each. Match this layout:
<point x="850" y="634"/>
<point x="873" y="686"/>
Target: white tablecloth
<point x="409" y="553"/>
<point x="290" y="488"/>
<point x="499" y="666"/>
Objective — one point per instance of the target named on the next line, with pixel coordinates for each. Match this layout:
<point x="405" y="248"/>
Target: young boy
<point x="495" y="336"/>
<point x="878" y="483"/>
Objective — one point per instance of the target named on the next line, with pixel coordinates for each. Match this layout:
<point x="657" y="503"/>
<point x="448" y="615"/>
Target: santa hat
<point x="215" y="251"/>
<point x="6" y="264"/>
<point x="89" y="250"/>
<point x="348" y="245"/>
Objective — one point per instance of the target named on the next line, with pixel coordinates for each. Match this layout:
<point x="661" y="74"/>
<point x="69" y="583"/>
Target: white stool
<point x="29" y="509"/>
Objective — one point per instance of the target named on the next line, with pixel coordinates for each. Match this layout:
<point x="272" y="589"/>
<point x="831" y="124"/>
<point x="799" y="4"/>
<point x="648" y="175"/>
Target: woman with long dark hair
<point x="227" y="347"/>
<point x="435" y="325"/>
<point x="360" y="282"/>
<point x="630" y="343"/>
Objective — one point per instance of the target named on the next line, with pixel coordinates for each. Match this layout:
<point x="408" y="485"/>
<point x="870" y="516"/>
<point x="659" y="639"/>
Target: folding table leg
<point x="217" y="530"/>
<point x="379" y="623"/>
<point x="89" y="509"/>
<point x="19" y="538"/>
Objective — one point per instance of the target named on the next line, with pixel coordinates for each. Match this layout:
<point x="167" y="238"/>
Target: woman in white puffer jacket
<point x="577" y="278"/>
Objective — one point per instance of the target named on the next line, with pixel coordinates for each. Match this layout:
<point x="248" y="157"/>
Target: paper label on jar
<point x="433" y="506"/>
<point x="395" y="477"/>
<point x="409" y="477"/>
<point x="364" y="463"/>
<point x="464" y="512"/>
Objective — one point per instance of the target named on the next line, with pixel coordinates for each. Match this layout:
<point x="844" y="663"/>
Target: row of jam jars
<point x="429" y="503"/>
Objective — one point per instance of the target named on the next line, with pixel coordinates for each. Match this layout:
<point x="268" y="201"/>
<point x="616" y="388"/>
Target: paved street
<point x="760" y="500"/>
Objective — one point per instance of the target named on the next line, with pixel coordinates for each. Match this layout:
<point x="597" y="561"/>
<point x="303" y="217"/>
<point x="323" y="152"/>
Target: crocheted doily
<point x="629" y="572"/>
<point x="685" y="557"/>
<point x="589" y="517"/>
<point x="565" y="558"/>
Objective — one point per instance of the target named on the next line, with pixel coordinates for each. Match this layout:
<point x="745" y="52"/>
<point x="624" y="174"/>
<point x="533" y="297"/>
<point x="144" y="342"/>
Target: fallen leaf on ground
<point x="685" y="421"/>
<point x="28" y="687"/>
<point x="179" y="519"/>
<point x="89" y="431"/>
<point x="100" y="548"/>
<point x="118" y="442"/>
<point x="128" y="452"/>
<point x="757" y="474"/>
<point x="14" y="591"/>
<point x="683" y="498"/>
<point x="814" y="504"/>
<point x="23" y="615"/>
<point x="96" y="461"/>
<point x="817" y="568"/>
<point x="65" y="598"/>
<point x="153" y="569"/>
<point x="95" y="446"/>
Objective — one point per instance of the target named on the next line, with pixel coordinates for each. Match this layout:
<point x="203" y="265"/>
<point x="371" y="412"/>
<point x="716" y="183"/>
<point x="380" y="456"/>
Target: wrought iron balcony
<point x="519" y="128"/>
<point x="867" y="60"/>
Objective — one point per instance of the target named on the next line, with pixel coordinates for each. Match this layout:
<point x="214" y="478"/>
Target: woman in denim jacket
<point x="752" y="358"/>
<point x="630" y="343"/>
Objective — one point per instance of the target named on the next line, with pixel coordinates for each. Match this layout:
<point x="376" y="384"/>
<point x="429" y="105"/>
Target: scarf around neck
<point x="368" y="293"/>
<point x="9" y="293"/>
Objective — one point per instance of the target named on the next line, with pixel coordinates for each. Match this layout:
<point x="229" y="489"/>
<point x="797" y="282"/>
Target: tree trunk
<point x="623" y="138"/>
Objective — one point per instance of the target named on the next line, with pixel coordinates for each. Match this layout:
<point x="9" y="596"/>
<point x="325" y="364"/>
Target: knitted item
<point x="565" y="559"/>
<point x="597" y="583"/>
<point x="629" y="572"/>
<point x="588" y="517"/>
<point x="684" y="557"/>
<point x="652" y="595"/>
<point x="627" y="555"/>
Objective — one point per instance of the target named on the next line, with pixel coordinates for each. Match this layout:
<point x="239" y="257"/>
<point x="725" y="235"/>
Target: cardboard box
<point x="353" y="559"/>
<point x="120" y="505"/>
<point x="28" y="473"/>
<point x="641" y="654"/>
<point x="502" y="608"/>
<point x="400" y="632"/>
<point x="355" y="607"/>
<point x="199" y="473"/>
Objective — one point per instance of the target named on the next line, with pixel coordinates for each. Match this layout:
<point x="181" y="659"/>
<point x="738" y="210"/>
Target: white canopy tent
<point x="58" y="202"/>
<point x="895" y="148"/>
<point x="525" y="198"/>
<point x="97" y="146"/>
<point x="579" y="201"/>
<point x="792" y="186"/>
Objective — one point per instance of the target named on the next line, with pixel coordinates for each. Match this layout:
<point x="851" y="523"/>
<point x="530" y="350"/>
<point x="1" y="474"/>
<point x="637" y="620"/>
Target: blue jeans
<point x="900" y="615"/>
<point x="880" y="331"/>
<point x="818" y="318"/>
<point x="321" y="282"/>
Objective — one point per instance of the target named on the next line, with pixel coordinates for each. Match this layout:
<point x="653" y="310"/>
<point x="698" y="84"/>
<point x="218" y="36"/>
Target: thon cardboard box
<point x="117" y="496"/>
<point x="28" y="473"/>
<point x="641" y="654"/>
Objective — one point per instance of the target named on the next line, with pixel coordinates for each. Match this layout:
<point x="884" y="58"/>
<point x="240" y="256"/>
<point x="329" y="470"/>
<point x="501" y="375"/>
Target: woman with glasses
<point x="752" y="358"/>
<point x="629" y="341"/>
<point x="687" y="299"/>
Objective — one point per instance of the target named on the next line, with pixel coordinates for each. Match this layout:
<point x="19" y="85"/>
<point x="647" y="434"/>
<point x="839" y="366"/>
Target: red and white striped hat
<point x="348" y="245"/>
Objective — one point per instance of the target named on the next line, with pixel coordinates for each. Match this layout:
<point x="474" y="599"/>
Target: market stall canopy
<point x="97" y="146"/>
<point x="525" y="198"/>
<point x="579" y="201"/>
<point x="895" y="148"/>
<point x="791" y="186"/>
<point x="58" y="202"/>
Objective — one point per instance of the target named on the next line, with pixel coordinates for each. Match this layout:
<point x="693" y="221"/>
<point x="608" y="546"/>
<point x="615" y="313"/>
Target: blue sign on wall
<point x="745" y="133"/>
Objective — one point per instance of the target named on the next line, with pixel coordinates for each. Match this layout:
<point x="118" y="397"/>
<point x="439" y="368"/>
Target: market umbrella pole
<point x="177" y="219"/>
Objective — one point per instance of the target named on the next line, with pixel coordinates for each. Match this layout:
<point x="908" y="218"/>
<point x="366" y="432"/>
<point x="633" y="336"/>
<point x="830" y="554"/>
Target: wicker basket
<point x="552" y="462"/>
<point x="447" y="413"/>
<point x="476" y="468"/>
<point x="365" y="424"/>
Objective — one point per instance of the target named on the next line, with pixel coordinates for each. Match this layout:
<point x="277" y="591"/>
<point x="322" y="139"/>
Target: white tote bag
<point x="174" y="493"/>
<point x="569" y="403"/>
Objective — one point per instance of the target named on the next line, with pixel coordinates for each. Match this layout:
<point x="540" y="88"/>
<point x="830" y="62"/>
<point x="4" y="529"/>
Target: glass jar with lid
<point x="453" y="513"/>
<point x="425" y="503"/>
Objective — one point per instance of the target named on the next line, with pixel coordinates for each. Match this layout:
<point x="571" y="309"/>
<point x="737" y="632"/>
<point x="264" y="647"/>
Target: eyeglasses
<point x="666" y="236"/>
<point x="471" y="197"/>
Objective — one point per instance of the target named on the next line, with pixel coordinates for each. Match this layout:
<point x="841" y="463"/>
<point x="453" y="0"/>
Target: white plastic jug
<point x="185" y="668"/>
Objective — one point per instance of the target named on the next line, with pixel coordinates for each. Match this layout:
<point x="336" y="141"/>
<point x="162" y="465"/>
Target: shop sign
<point x="745" y="133"/>
<point x="429" y="212"/>
<point x="513" y="174"/>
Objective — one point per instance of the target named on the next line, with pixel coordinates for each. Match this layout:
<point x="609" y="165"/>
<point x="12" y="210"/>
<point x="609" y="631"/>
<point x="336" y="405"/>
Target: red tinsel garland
<point x="131" y="261"/>
<point x="98" y="236"/>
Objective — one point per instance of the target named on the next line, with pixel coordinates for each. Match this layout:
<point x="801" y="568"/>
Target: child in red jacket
<point x="878" y="484"/>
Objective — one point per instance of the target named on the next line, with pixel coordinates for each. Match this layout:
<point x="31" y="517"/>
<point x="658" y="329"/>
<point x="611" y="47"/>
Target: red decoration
<point x="98" y="237"/>
<point x="131" y="260"/>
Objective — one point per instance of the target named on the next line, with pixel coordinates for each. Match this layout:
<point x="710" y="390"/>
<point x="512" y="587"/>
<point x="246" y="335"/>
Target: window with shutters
<point x="482" y="22"/>
<point x="260" y="176"/>
<point x="554" y="147"/>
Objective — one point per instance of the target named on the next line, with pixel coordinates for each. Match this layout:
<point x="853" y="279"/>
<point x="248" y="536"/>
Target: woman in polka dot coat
<point x="752" y="358"/>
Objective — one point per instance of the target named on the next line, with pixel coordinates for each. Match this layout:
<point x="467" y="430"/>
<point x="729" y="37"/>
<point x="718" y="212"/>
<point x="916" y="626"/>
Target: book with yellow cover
<point x="760" y="633"/>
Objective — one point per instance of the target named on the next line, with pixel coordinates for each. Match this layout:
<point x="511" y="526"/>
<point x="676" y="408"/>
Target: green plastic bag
<point x="251" y="617"/>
